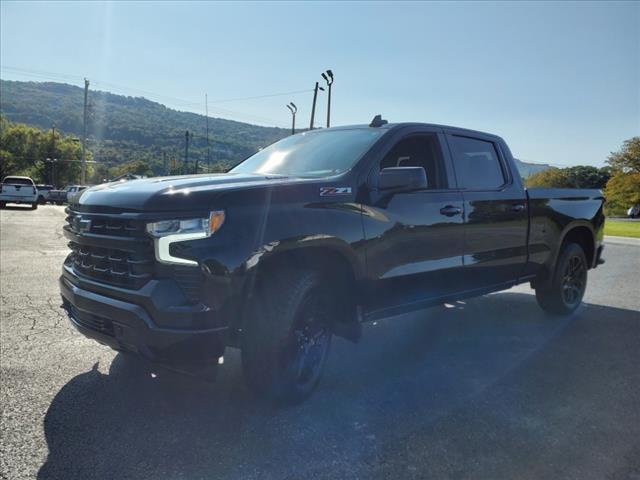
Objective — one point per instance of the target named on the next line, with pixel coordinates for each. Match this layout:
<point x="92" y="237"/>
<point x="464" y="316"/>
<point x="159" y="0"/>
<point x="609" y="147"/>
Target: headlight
<point x="205" y="226"/>
<point x="166" y="232"/>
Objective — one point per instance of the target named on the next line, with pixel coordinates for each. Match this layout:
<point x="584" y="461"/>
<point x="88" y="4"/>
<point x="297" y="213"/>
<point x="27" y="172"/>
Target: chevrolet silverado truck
<point x="311" y="237"/>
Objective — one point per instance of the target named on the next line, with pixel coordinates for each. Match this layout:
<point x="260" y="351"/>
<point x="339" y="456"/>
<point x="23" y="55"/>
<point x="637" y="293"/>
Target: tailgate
<point x="18" y="190"/>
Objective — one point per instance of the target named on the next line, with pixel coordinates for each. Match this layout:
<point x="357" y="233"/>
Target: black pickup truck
<point x="312" y="236"/>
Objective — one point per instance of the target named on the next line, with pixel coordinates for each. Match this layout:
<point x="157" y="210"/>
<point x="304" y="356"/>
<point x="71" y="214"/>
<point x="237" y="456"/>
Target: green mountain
<point x="132" y="130"/>
<point x="126" y="129"/>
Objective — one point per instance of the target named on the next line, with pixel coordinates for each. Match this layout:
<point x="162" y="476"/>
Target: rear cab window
<point x="477" y="164"/>
<point x="18" y="181"/>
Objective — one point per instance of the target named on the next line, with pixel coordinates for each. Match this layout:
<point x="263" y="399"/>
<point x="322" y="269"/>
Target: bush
<point x="622" y="191"/>
<point x="572" y="177"/>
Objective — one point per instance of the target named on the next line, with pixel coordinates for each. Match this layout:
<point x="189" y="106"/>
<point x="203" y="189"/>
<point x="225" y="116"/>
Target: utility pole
<point x="164" y="162"/>
<point x="83" y="170"/>
<point x="328" y="77"/>
<point x="186" y="153"/>
<point x="206" y="114"/>
<point x="293" y="109"/>
<point x="313" y="107"/>
<point x="53" y="149"/>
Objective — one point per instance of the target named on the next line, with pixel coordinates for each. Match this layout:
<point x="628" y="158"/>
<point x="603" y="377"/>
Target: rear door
<point x="495" y="207"/>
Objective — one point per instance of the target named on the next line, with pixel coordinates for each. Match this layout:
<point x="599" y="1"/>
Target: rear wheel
<point x="41" y="200"/>
<point x="565" y="291"/>
<point x="3" y="204"/>
<point x="286" y="341"/>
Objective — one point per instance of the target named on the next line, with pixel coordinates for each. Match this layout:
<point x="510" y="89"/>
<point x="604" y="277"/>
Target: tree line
<point x="47" y="157"/>
<point x="620" y="179"/>
<point x="53" y="158"/>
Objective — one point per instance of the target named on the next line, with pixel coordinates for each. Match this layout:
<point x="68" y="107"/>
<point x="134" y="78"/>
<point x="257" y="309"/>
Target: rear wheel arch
<point x="583" y="236"/>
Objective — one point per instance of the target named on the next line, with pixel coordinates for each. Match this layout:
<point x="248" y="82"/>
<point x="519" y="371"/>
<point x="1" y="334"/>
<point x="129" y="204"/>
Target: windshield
<point x="312" y="154"/>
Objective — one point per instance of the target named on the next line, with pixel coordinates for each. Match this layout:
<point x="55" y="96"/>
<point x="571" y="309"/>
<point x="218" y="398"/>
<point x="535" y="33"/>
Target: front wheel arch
<point x="342" y="273"/>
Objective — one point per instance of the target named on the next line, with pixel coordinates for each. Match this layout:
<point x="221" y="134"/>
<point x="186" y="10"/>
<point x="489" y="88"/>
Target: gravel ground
<point x="490" y="388"/>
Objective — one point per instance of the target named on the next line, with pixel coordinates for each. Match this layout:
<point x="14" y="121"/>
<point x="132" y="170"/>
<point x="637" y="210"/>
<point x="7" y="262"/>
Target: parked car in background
<point x="19" y="190"/>
<point x="634" y="212"/>
<point x="57" y="196"/>
<point x="62" y="196"/>
<point x="43" y="193"/>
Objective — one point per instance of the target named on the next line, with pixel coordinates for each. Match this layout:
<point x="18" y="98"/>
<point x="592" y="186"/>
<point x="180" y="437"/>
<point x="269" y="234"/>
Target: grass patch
<point x="622" y="229"/>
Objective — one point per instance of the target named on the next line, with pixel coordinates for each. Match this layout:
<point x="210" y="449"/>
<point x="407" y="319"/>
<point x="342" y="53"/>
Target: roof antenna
<point x="378" y="121"/>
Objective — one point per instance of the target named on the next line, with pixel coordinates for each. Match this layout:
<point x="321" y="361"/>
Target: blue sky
<point x="559" y="81"/>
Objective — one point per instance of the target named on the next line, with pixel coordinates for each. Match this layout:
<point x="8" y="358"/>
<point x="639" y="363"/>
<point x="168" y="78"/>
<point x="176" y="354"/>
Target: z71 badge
<point x="334" y="191"/>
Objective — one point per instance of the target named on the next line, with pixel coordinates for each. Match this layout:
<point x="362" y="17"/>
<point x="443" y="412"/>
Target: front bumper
<point x="138" y="321"/>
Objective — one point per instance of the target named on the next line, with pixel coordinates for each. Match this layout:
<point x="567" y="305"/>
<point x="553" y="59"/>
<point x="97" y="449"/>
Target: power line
<point x="263" y="96"/>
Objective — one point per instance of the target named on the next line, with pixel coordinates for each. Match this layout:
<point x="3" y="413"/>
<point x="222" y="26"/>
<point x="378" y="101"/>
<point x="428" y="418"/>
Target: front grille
<point x="81" y="222"/>
<point x="115" y="267"/>
<point x="128" y="263"/>
<point x="90" y="321"/>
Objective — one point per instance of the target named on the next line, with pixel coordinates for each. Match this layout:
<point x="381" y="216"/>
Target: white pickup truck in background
<point x="18" y="190"/>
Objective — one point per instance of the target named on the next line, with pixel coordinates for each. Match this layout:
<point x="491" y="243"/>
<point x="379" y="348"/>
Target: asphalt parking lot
<point x="490" y="388"/>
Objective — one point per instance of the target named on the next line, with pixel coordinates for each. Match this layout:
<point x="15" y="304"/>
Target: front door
<point x="414" y="240"/>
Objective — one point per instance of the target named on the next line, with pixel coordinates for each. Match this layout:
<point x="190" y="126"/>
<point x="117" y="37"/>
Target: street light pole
<point x="328" y="77"/>
<point x="313" y="107"/>
<point x="206" y="110"/>
<point x="53" y="147"/>
<point x="186" y="153"/>
<point x="293" y="109"/>
<point x="83" y="169"/>
<point x="52" y="162"/>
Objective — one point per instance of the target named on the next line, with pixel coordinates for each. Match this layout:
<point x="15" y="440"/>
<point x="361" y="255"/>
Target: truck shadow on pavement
<point x="470" y="390"/>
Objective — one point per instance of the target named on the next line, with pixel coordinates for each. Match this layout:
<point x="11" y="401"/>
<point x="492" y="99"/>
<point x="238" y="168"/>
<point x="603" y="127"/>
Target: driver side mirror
<point x="402" y="178"/>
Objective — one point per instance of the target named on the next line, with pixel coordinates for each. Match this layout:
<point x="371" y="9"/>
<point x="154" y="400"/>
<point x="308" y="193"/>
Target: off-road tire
<point x="564" y="292"/>
<point x="271" y="340"/>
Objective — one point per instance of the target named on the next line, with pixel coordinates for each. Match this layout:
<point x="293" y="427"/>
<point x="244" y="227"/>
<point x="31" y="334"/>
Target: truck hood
<point x="167" y="194"/>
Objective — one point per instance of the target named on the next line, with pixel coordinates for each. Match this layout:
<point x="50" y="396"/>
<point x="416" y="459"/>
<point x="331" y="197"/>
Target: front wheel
<point x="565" y="291"/>
<point x="287" y="337"/>
<point x="34" y="206"/>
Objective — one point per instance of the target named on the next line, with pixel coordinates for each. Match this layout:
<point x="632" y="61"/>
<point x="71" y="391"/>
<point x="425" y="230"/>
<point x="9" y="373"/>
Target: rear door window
<point x="477" y="164"/>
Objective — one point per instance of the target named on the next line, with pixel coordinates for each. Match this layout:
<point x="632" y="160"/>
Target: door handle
<point x="518" y="207"/>
<point x="450" y="211"/>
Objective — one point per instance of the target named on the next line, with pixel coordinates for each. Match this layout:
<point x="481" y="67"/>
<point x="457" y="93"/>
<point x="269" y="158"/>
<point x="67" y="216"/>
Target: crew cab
<point x="312" y="236"/>
<point x="18" y="190"/>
